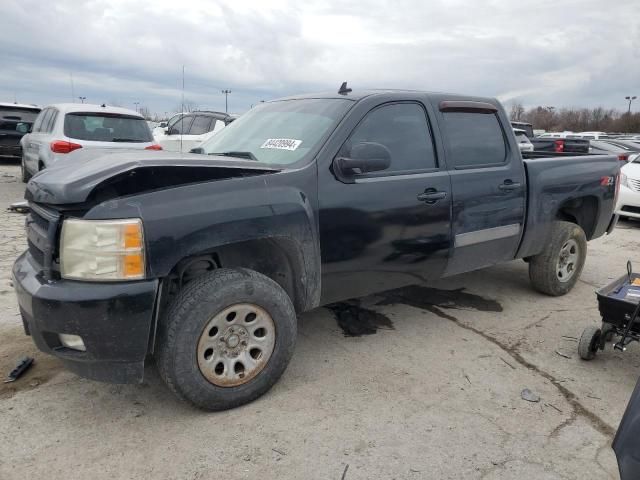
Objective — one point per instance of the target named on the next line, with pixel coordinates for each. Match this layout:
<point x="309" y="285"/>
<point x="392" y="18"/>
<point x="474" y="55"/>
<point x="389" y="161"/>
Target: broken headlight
<point x="97" y="250"/>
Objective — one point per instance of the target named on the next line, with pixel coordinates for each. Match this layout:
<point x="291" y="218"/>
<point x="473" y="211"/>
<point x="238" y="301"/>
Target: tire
<point x="556" y="270"/>
<point x="24" y="173"/>
<point x="186" y="337"/>
<point x="589" y="343"/>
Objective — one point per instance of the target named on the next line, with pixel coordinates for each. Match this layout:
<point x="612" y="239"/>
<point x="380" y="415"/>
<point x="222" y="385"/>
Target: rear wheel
<point x="226" y="339"/>
<point x="556" y="270"/>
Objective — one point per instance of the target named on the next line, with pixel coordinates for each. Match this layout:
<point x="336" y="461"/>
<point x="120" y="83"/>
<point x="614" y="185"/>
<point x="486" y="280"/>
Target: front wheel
<point x="226" y="339"/>
<point x="556" y="270"/>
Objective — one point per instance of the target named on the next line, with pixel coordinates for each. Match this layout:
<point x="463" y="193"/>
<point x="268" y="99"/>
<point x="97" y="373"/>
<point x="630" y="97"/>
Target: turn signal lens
<point x="155" y="146"/>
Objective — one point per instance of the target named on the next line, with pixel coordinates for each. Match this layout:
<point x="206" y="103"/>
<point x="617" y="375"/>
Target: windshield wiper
<point x="134" y="140"/>
<point x="247" y="155"/>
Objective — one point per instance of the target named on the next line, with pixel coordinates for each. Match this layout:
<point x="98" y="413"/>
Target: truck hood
<point x="73" y="179"/>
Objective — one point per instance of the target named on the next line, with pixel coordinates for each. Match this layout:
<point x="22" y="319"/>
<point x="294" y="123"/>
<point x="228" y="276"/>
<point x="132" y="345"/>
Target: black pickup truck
<point x="204" y="260"/>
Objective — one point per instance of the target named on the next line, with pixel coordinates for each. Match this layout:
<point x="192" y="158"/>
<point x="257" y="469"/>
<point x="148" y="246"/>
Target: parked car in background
<point x="591" y="135"/>
<point x="628" y="204"/>
<point x="65" y="127"/>
<point x="191" y="129"/>
<point x="527" y="127"/>
<point x="555" y="134"/>
<point x="524" y="144"/>
<point x="623" y="152"/>
<point x="16" y="120"/>
<point x="567" y="144"/>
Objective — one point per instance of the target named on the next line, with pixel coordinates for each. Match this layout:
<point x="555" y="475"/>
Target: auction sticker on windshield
<point x="281" y="143"/>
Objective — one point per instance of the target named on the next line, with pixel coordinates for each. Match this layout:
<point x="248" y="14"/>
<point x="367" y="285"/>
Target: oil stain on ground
<point x="355" y="320"/>
<point x="436" y="301"/>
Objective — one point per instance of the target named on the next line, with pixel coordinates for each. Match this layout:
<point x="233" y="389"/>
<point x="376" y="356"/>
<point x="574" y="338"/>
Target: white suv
<point x="63" y="128"/>
<point x="186" y="131"/>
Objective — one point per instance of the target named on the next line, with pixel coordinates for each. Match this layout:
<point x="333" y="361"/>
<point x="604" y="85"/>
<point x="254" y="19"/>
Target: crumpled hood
<point x="71" y="180"/>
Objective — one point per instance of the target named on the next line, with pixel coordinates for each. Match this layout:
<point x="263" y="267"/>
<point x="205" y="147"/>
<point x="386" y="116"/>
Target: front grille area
<point x="630" y="209"/>
<point x="634" y="184"/>
<point x="42" y="227"/>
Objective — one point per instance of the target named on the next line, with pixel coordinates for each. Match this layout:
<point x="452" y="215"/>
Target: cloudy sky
<point x="558" y="52"/>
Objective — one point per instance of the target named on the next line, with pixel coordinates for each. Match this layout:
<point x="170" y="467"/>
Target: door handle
<point x="431" y="196"/>
<point x="508" y="186"/>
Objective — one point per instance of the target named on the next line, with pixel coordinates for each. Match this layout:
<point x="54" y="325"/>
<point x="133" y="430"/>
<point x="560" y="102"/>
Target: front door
<point x="390" y="228"/>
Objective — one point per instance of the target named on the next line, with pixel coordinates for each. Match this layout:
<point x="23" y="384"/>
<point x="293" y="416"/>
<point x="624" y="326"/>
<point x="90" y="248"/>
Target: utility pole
<point x="631" y="99"/>
<point x="82" y="99"/>
<point x="136" y="104"/>
<point x="226" y="102"/>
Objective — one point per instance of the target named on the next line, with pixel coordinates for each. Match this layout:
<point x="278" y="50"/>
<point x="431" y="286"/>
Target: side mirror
<point x="23" y="127"/>
<point x="364" y="157"/>
<point x="163" y="125"/>
<point x="199" y="150"/>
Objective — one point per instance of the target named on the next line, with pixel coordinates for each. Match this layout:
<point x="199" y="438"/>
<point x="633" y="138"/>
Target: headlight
<point x="97" y="250"/>
<point x="623" y="180"/>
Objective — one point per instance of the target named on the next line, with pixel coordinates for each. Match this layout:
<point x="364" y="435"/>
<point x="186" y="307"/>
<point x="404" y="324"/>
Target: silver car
<point x="62" y="128"/>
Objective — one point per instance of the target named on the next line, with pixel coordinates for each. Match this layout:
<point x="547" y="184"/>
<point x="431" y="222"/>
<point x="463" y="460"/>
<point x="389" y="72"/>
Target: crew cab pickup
<point x="204" y="260"/>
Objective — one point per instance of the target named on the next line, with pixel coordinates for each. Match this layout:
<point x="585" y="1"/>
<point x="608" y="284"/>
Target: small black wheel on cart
<point x="589" y="343"/>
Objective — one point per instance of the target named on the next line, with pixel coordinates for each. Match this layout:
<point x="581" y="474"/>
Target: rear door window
<point x="475" y="139"/>
<point x="106" y="127"/>
<point x="46" y="117"/>
<point x="201" y="125"/>
<point x="51" y="121"/>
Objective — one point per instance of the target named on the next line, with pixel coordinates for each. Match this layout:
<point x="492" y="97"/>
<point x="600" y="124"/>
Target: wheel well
<point x="277" y="259"/>
<point x="582" y="211"/>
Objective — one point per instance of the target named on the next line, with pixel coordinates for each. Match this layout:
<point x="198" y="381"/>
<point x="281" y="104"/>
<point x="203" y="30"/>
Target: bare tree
<point x="517" y="111"/>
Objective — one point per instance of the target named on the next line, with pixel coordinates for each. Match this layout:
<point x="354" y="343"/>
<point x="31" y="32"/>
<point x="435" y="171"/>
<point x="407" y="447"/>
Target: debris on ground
<point x="529" y="396"/>
<point x="19" y="207"/>
<point x="563" y="354"/>
<point x="22" y="366"/>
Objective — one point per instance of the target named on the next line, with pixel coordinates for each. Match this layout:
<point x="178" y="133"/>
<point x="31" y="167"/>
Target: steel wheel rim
<point x="236" y="345"/>
<point x="568" y="260"/>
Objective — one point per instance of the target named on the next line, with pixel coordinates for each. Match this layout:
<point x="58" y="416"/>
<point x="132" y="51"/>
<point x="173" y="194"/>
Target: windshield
<point x="278" y="132"/>
<point x="106" y="127"/>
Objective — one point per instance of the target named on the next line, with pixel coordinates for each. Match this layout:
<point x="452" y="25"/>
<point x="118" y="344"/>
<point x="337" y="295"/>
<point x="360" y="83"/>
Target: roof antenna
<point x="344" y="89"/>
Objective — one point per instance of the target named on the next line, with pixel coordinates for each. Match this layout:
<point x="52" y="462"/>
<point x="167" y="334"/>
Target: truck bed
<point x="557" y="180"/>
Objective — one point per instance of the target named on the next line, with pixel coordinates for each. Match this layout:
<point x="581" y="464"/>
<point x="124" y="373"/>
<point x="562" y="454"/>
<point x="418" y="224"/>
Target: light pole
<point x="82" y="99"/>
<point x="631" y="99"/>
<point x="226" y="97"/>
<point x="136" y="104"/>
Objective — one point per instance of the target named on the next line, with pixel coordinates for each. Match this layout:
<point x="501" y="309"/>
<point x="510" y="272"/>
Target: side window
<point x="181" y="127"/>
<point x="475" y="139"/>
<point x="43" y="119"/>
<point x="52" y="121"/>
<point x="403" y="129"/>
<point x="201" y="125"/>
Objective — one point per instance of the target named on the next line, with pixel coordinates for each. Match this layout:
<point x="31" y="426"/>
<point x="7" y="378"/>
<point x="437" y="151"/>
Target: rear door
<point x="389" y="228"/>
<point x="487" y="181"/>
<point x="202" y="124"/>
<point x="34" y="141"/>
<point x="172" y="142"/>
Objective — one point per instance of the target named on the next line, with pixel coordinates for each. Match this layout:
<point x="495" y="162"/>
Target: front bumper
<point x="628" y="202"/>
<point x="113" y="319"/>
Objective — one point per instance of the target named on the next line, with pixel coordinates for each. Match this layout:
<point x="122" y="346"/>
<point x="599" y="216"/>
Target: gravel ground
<point x="435" y="394"/>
